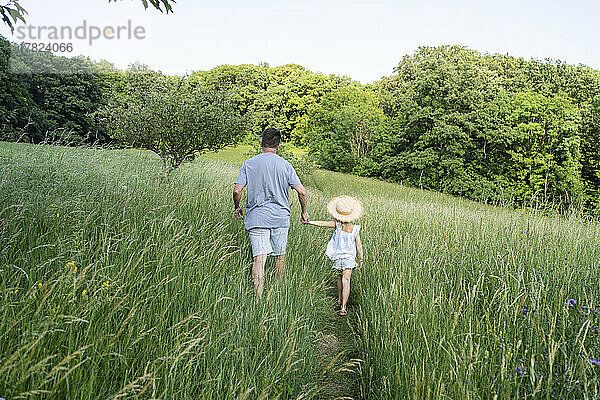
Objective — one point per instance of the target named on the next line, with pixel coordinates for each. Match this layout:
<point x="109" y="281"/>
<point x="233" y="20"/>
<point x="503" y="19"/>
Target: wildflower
<point x="571" y="303"/>
<point x="40" y="284"/>
<point x="593" y="361"/>
<point x="57" y="215"/>
<point x="16" y="291"/>
<point x="83" y="292"/>
<point x="520" y="371"/>
<point x="525" y="311"/>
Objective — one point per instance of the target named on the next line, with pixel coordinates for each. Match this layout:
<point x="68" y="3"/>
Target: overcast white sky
<point x="360" y="39"/>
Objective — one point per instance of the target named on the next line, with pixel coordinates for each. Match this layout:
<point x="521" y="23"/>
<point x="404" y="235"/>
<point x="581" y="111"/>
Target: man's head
<point x="271" y="138"/>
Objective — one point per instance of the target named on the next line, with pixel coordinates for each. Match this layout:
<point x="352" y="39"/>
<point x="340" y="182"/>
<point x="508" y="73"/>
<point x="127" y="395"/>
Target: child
<point x="345" y="242"/>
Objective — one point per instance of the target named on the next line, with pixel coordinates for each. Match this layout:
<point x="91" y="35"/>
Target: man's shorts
<point x="269" y="241"/>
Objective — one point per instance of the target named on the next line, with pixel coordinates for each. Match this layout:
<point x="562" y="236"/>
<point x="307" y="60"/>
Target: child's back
<point x="345" y="242"/>
<point x="341" y="249"/>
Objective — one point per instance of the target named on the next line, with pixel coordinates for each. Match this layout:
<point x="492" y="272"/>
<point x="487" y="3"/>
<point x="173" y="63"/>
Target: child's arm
<point x="327" y="224"/>
<point x="359" y="250"/>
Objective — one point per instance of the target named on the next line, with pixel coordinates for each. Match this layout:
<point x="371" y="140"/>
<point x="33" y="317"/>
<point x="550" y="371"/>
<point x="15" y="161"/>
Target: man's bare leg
<point x="345" y="286"/>
<point x="258" y="274"/>
<point x="279" y="265"/>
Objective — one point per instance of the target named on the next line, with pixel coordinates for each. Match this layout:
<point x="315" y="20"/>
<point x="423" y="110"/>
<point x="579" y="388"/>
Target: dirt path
<point x="341" y="359"/>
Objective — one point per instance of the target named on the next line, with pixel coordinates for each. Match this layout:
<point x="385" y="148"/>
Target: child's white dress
<point x="341" y="249"/>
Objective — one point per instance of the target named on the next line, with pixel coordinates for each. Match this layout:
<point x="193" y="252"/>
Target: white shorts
<point x="269" y="241"/>
<point x="344" y="263"/>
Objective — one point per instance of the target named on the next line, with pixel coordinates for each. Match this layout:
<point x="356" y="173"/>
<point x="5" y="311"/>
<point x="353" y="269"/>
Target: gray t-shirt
<point x="268" y="178"/>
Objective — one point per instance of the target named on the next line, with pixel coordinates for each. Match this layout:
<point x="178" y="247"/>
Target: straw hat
<point x="345" y="208"/>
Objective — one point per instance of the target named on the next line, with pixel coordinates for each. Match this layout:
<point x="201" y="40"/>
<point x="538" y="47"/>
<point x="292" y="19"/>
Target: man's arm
<point x="237" y="195"/>
<point x="304" y="218"/>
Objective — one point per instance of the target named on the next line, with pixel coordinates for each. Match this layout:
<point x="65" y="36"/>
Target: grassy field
<point x="116" y="283"/>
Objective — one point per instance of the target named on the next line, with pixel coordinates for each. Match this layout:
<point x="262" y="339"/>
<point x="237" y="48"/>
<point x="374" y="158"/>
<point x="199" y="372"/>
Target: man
<point x="268" y="178"/>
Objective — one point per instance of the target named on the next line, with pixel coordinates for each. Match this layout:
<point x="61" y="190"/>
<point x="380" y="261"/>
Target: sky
<point x="364" y="40"/>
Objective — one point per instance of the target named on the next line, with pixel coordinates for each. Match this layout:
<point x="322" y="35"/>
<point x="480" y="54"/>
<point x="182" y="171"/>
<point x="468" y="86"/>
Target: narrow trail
<point x="341" y="358"/>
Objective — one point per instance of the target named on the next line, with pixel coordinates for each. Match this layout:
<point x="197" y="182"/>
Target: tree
<point x="158" y="4"/>
<point x="37" y="104"/>
<point x="171" y="117"/>
<point x="345" y="129"/>
<point x="546" y="151"/>
<point x="13" y="11"/>
<point x="436" y="102"/>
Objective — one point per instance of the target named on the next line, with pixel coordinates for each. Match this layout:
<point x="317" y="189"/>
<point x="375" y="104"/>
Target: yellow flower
<point x="40" y="284"/>
<point x="83" y="292"/>
<point x="57" y="215"/>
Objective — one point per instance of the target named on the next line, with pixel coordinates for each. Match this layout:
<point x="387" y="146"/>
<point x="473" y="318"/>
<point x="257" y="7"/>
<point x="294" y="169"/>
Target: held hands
<point x="238" y="213"/>
<point x="304" y="218"/>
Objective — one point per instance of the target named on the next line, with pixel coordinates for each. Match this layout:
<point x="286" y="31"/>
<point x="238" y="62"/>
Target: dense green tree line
<point x="488" y="127"/>
<point x="273" y="96"/>
<point x="492" y="128"/>
<point x="43" y="95"/>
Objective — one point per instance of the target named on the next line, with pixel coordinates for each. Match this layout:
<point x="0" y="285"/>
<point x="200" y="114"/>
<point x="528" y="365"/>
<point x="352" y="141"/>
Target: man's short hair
<point x="271" y="138"/>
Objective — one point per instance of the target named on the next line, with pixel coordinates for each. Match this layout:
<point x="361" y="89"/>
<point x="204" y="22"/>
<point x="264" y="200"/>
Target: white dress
<point x="341" y="249"/>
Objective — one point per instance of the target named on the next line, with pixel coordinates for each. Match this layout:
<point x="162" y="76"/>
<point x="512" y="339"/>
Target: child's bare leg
<point x="339" y="287"/>
<point x="258" y="274"/>
<point x="279" y="265"/>
<point x="346" y="274"/>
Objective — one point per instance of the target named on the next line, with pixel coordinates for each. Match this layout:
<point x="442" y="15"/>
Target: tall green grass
<point x="117" y="283"/>
<point x="462" y="300"/>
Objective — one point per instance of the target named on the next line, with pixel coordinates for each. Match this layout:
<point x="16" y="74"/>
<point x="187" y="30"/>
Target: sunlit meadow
<point x="118" y="283"/>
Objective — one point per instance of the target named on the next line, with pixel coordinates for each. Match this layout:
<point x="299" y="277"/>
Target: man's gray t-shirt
<point x="268" y="178"/>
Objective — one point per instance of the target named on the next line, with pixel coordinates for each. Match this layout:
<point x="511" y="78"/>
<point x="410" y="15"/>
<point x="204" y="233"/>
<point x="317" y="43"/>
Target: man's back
<point x="268" y="178"/>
